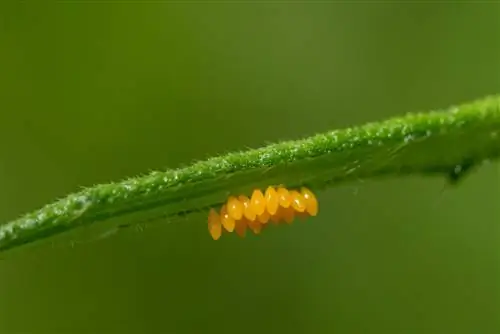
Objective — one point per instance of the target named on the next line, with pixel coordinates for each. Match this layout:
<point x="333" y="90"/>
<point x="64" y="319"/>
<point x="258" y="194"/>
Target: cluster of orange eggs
<point x="275" y="205"/>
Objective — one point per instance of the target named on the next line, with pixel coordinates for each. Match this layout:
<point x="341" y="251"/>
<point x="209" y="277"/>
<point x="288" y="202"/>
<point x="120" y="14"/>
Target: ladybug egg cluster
<point x="276" y="205"/>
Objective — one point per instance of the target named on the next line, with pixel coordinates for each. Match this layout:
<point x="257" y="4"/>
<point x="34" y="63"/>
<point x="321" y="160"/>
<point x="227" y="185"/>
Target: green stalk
<point x="446" y="142"/>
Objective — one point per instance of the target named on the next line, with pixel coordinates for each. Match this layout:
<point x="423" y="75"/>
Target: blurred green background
<point x="96" y="92"/>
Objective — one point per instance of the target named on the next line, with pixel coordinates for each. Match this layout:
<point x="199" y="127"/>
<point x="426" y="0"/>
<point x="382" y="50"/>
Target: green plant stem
<point x="444" y="142"/>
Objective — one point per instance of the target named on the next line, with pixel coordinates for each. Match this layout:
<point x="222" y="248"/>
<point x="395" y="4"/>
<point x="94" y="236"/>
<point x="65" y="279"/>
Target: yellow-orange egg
<point x="272" y="200"/>
<point x="257" y="202"/>
<point x="241" y="227"/>
<point x="227" y="221"/>
<point x="214" y="224"/>
<point x="255" y="226"/>
<point x="284" y="199"/>
<point x="278" y="216"/>
<point x="248" y="211"/>
<point x="264" y="217"/>
<point x="298" y="202"/>
<point x="234" y="208"/>
<point x="310" y="200"/>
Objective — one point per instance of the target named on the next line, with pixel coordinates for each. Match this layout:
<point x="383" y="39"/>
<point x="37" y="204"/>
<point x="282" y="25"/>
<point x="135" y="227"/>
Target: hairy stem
<point x="446" y="142"/>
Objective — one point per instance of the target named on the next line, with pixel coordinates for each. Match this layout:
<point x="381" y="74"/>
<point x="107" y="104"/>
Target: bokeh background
<point x="96" y="92"/>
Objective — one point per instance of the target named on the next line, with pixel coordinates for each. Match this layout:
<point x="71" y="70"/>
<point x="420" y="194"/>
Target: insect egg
<point x="255" y="226"/>
<point x="278" y="216"/>
<point x="241" y="227"/>
<point x="264" y="217"/>
<point x="283" y="197"/>
<point x="272" y="200"/>
<point x="227" y="221"/>
<point x="248" y="210"/>
<point x="234" y="208"/>
<point x="258" y="202"/>
<point x="288" y="215"/>
<point x="214" y="224"/>
<point x="310" y="200"/>
<point x="298" y="202"/>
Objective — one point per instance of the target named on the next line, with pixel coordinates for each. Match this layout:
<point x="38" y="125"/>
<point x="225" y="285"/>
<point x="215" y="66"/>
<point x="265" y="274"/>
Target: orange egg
<point x="227" y="221"/>
<point x="272" y="200"/>
<point x="298" y="202"/>
<point x="257" y="202"/>
<point x="241" y="227"/>
<point x="248" y="211"/>
<point x="278" y="216"/>
<point x="255" y="226"/>
<point x="283" y="197"/>
<point x="264" y="217"/>
<point x="214" y="224"/>
<point x="310" y="200"/>
<point x="234" y="208"/>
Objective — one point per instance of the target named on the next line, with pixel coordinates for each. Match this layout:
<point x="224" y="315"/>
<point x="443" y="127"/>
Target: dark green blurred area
<point x="93" y="93"/>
